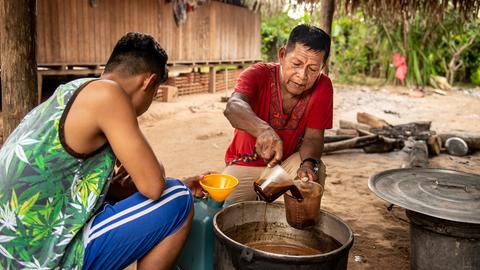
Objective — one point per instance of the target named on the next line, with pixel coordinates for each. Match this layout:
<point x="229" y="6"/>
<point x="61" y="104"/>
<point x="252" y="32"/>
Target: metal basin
<point x="240" y="227"/>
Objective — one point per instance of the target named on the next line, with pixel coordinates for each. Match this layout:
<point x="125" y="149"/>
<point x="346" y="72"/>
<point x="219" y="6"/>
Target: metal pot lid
<point x="446" y="194"/>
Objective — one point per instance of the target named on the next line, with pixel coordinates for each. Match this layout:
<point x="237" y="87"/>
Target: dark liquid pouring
<point x="271" y="192"/>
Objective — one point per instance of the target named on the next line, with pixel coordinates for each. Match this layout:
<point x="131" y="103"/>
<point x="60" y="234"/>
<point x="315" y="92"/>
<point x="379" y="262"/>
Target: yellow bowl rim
<point x="219" y="174"/>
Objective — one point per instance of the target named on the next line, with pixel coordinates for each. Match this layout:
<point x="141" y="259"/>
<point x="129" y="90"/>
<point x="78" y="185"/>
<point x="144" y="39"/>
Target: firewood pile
<point x="375" y="135"/>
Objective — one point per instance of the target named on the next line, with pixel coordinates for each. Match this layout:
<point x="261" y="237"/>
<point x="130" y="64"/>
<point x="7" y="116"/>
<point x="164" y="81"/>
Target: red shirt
<point x="260" y="83"/>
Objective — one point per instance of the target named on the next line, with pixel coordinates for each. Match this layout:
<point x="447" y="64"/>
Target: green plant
<point x="475" y="77"/>
<point x="275" y="31"/>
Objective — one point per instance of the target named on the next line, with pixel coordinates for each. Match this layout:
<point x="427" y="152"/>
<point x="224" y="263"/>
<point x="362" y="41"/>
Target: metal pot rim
<point x="321" y="257"/>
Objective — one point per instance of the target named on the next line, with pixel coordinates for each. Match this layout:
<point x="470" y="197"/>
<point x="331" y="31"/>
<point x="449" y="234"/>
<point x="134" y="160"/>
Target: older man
<point x="280" y="111"/>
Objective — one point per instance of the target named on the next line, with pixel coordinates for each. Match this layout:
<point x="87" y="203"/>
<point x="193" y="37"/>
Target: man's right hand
<point x="269" y="147"/>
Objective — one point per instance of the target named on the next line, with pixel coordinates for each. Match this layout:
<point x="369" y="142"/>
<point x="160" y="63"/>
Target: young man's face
<point x="143" y="98"/>
<point x="300" y="68"/>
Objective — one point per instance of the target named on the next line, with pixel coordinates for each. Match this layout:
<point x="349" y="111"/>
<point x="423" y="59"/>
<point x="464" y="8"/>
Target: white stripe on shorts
<point x="131" y="209"/>
<point x="137" y="215"/>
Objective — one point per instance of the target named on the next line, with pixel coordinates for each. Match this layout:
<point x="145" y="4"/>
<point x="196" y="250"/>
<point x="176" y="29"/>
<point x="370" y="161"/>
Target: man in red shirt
<point x="279" y="112"/>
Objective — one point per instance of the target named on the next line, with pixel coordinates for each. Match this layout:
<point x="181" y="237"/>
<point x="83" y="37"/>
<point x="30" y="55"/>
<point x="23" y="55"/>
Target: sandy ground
<point x="190" y="135"/>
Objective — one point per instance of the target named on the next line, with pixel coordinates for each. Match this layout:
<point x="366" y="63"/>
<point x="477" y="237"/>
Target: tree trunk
<point x="452" y="65"/>
<point x="18" y="60"/>
<point x="327" y="9"/>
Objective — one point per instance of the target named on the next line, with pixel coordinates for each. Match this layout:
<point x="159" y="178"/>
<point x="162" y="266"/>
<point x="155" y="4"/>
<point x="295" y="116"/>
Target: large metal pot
<point x="248" y="222"/>
<point x="442" y="244"/>
<point x="444" y="211"/>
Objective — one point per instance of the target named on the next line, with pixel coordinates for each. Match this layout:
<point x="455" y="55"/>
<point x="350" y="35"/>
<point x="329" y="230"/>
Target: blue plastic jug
<point x="198" y="251"/>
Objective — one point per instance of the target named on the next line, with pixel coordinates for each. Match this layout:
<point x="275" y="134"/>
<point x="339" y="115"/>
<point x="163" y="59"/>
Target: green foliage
<point x="475" y="77"/>
<point x="275" y="31"/>
<point x="365" y="46"/>
<point x="355" y="47"/>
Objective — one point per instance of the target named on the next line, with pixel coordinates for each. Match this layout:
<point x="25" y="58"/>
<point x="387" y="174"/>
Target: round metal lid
<point x="447" y="194"/>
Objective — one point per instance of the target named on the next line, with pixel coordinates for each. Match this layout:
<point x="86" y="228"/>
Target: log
<point x="384" y="145"/>
<point x="434" y="145"/>
<point x="336" y="138"/>
<point x="418" y="130"/>
<point x="351" y="125"/>
<point x="473" y="141"/>
<point x="357" y="142"/>
<point x="344" y="131"/>
<point x="418" y="154"/>
<point x="371" y="120"/>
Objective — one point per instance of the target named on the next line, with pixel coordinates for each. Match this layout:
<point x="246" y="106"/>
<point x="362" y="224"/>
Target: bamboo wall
<point x="73" y="32"/>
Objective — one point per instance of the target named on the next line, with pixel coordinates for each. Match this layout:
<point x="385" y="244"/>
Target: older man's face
<point x="300" y="68"/>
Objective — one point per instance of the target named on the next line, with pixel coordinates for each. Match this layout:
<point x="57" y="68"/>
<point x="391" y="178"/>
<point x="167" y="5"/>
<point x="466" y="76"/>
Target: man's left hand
<point x="193" y="183"/>
<point x="306" y="173"/>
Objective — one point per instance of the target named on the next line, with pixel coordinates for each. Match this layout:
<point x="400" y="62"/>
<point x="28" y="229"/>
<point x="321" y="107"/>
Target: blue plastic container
<point x="198" y="252"/>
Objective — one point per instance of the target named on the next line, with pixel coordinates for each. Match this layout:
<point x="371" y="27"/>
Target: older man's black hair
<point x="310" y="36"/>
<point x="137" y="53"/>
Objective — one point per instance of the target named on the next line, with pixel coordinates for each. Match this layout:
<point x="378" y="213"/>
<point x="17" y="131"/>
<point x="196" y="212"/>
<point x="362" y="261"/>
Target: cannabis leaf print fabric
<point x="47" y="193"/>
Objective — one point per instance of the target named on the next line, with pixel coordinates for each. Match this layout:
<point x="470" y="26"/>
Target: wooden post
<point x="226" y="80"/>
<point x="19" y="66"/>
<point x="327" y="9"/>
<point x="39" y="87"/>
<point x="211" y="79"/>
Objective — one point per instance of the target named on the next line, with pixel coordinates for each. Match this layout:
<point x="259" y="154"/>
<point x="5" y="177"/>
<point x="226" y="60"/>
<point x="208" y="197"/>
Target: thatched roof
<point x="391" y="9"/>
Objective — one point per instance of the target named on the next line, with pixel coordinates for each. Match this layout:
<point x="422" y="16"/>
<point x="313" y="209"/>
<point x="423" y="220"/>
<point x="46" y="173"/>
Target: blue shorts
<point x="124" y="232"/>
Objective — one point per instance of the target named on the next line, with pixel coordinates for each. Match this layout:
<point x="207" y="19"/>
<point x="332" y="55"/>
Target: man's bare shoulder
<point x="103" y="90"/>
<point x="104" y="94"/>
<point x="104" y="100"/>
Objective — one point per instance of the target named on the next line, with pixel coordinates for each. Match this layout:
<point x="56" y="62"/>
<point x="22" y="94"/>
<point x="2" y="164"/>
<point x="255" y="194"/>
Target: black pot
<point x="232" y="253"/>
<point x="441" y="244"/>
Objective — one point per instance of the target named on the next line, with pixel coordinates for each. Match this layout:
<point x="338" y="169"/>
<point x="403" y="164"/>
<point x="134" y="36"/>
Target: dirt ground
<point x="190" y="135"/>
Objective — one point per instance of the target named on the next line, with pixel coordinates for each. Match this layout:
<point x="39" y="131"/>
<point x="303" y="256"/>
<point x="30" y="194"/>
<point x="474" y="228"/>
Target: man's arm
<point x="117" y="120"/>
<point x="268" y="145"/>
<point x="312" y="147"/>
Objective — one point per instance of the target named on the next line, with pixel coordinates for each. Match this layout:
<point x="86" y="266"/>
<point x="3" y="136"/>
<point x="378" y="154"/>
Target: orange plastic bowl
<point x="219" y="186"/>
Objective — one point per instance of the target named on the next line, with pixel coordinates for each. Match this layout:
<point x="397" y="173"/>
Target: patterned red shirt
<point x="260" y="83"/>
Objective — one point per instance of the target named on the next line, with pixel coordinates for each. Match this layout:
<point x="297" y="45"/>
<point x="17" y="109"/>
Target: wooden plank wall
<point x="75" y="33"/>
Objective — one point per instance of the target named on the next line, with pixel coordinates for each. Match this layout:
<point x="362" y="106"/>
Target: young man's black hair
<point x="137" y="53"/>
